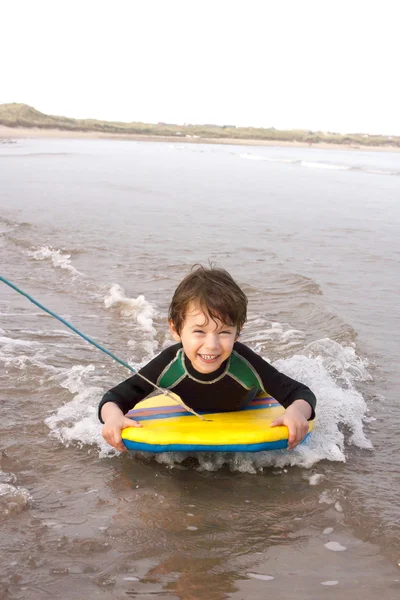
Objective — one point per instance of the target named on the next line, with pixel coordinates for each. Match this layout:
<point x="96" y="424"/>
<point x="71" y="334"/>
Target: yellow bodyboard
<point x="168" y="427"/>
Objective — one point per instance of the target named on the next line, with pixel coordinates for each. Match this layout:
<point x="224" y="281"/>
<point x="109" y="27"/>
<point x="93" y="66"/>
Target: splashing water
<point x="59" y="260"/>
<point x="12" y="499"/>
<point x="76" y="422"/>
<point x="137" y="308"/>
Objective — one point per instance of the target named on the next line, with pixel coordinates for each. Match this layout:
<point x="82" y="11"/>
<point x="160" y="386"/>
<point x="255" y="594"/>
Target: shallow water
<point x="101" y="232"/>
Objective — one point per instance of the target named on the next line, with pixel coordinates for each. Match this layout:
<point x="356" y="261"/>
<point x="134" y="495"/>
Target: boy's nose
<point x="212" y="342"/>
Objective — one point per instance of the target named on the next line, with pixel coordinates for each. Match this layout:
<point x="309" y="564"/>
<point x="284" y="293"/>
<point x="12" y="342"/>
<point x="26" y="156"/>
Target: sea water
<point x="101" y="232"/>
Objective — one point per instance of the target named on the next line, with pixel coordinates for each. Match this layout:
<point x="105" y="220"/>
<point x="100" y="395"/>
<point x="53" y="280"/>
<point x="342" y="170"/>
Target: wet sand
<point x="9" y="133"/>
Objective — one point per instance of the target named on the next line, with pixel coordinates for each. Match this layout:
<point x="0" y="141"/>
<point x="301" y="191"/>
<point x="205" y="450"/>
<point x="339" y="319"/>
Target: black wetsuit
<point x="222" y="390"/>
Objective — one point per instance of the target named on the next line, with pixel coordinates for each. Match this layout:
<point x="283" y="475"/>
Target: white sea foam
<point x="327" y="530"/>
<point x="335" y="547"/>
<point x="46" y="333"/>
<point x="10" y="343"/>
<point x="12" y="499"/>
<point x="141" y="311"/>
<point x="329" y="369"/>
<point x="274" y="332"/>
<point x="7" y="477"/>
<point x="136" y="308"/>
<point x="338" y="507"/>
<point x="301" y="163"/>
<point x="260" y="576"/>
<point x="59" y="260"/>
<point x="74" y="379"/>
<point x="261" y="333"/>
<point x="326" y="498"/>
<point x="23" y="363"/>
<point x="315" y="479"/>
<point x="381" y="172"/>
<point x="322" y="165"/>
<point x="342" y="362"/>
<point x="339" y="403"/>
<point x="248" y="156"/>
<point x="22" y="354"/>
<point x="76" y="421"/>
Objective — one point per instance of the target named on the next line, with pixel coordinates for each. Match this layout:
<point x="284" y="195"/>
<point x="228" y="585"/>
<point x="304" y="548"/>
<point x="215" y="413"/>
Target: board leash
<point x="165" y="392"/>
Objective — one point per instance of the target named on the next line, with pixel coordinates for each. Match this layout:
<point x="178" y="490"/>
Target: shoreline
<point x="8" y="134"/>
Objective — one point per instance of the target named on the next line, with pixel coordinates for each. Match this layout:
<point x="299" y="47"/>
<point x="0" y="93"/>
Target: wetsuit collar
<point x="204" y="376"/>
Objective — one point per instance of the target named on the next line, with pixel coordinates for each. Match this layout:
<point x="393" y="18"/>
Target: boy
<point x="208" y="367"/>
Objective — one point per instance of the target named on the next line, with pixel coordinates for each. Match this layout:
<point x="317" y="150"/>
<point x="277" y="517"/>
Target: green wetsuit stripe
<point x="173" y="372"/>
<point x="239" y="369"/>
<point x="243" y="372"/>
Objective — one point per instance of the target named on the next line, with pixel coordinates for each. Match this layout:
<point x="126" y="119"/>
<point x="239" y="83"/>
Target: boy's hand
<point x="111" y="432"/>
<point x="114" y="422"/>
<point x="295" y="418"/>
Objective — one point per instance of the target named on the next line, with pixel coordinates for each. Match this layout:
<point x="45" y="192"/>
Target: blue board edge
<point x="158" y="448"/>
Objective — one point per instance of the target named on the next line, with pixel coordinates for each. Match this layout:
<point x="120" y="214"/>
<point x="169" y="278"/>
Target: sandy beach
<point x="10" y="133"/>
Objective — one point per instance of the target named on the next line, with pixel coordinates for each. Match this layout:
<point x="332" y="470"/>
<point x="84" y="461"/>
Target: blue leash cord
<point x="82" y="335"/>
<point x="168" y="393"/>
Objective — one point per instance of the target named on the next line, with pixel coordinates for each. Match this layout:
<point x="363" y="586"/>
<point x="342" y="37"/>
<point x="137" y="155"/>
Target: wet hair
<point x="216" y="294"/>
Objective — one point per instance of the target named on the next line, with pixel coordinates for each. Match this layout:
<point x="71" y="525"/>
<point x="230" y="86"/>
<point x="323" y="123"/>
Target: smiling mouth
<point x="208" y="357"/>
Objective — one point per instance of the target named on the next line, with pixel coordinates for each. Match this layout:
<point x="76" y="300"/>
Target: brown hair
<point x="217" y="294"/>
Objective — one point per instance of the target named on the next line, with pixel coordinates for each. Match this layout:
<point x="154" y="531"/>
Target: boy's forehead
<point x="196" y="315"/>
<point x="193" y="311"/>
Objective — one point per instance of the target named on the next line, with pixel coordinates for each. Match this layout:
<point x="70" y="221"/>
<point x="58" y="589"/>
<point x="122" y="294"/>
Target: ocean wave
<point x="140" y="311"/>
<point x="261" y="333"/>
<point x="27" y="357"/>
<point x="337" y="407"/>
<point x="332" y="376"/>
<point x="11" y="342"/>
<point x="381" y="172"/>
<point x="7" y="477"/>
<point x="58" y="259"/>
<point x="46" y="333"/>
<point x="76" y="421"/>
<point x="330" y="369"/>
<point x="136" y="308"/>
<point x="4" y="222"/>
<point x="13" y="499"/>
<point x="321" y="165"/>
<point x="248" y="156"/>
<point x="342" y="362"/>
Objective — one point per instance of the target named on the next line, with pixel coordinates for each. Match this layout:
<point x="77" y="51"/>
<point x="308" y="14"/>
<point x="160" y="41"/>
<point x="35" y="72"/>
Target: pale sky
<point x="328" y="65"/>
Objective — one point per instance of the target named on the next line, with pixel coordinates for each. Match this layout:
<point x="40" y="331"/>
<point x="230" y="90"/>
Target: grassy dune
<point x="22" y="115"/>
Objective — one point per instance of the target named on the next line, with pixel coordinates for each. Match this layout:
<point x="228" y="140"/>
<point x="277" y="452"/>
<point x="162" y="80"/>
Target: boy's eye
<point x="226" y="332"/>
<point x="198" y="331"/>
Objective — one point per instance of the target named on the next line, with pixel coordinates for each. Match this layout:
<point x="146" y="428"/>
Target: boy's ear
<point x="173" y="331"/>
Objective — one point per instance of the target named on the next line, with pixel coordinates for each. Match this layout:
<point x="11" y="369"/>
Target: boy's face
<point x="207" y="345"/>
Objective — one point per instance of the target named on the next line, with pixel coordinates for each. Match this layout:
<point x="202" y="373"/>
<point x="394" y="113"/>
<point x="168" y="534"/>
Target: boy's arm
<point x="128" y="393"/>
<point x="296" y="397"/>
<point x="281" y="387"/>
<point x="125" y="395"/>
<point x="121" y="398"/>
